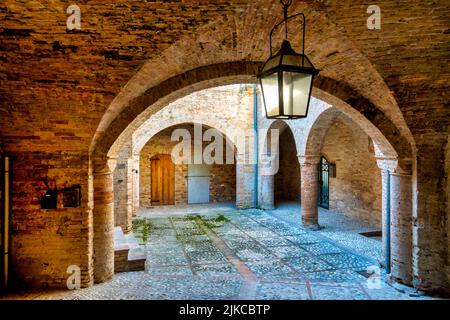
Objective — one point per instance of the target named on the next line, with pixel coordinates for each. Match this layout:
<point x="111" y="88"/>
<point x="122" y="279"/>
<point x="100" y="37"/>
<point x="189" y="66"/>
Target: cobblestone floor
<point x="230" y="254"/>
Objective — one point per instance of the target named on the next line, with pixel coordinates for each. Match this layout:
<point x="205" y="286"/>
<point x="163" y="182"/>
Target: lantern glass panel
<point x="272" y="63"/>
<point x="296" y="90"/>
<point x="271" y="96"/>
<point x="298" y="61"/>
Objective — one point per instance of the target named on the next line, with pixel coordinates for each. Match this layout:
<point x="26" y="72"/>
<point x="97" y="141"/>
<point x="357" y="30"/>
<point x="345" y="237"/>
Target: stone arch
<point x="165" y="117"/>
<point x="318" y="124"/>
<point x="211" y="124"/>
<point x="154" y="99"/>
<point x="265" y="143"/>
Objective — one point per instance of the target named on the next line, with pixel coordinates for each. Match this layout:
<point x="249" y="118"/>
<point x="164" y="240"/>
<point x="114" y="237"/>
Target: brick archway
<point x="396" y="187"/>
<point x="232" y="44"/>
<point x="120" y="131"/>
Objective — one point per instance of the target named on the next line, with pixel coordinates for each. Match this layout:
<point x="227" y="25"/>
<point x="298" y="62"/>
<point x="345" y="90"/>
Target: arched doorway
<point x="162" y="180"/>
<point x="287" y="179"/>
<point x="169" y="176"/>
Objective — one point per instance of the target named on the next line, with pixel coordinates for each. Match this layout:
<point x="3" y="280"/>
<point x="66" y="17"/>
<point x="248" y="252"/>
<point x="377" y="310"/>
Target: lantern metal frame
<point x="279" y="68"/>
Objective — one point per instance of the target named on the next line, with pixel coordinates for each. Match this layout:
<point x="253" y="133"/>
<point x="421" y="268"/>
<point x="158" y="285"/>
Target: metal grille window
<point x="324" y="186"/>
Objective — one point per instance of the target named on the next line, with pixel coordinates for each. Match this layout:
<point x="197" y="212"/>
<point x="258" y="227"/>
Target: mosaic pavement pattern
<point x="233" y="254"/>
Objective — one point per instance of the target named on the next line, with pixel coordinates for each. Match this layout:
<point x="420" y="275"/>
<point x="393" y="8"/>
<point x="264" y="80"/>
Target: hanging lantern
<point x="286" y="77"/>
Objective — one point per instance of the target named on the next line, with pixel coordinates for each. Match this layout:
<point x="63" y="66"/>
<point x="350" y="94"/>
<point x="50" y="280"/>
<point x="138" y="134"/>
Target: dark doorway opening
<point x="287" y="179"/>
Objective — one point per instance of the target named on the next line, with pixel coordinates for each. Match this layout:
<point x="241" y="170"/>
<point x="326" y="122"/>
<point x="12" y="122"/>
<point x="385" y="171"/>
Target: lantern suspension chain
<point x="286" y="4"/>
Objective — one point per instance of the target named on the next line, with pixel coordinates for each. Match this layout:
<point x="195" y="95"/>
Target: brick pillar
<point x="401" y="227"/>
<point x="103" y="223"/>
<point x="430" y="216"/>
<point x="245" y="183"/>
<point x="309" y="191"/>
<point x="266" y="198"/>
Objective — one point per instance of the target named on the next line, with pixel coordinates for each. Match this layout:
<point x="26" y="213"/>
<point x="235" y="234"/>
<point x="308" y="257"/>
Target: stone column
<point x="123" y="189"/>
<point x="135" y="184"/>
<point x="387" y="166"/>
<point x="401" y="227"/>
<point x="103" y="222"/>
<point x="266" y="198"/>
<point x="309" y="190"/>
<point x="400" y="224"/>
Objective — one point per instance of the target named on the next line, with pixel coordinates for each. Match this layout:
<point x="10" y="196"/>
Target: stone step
<point x="136" y="255"/>
<point x="128" y="254"/>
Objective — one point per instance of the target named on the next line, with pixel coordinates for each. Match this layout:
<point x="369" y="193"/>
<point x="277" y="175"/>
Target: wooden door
<point x="162" y="180"/>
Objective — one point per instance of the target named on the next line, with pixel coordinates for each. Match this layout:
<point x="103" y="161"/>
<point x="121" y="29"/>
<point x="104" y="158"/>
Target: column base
<point x="313" y="227"/>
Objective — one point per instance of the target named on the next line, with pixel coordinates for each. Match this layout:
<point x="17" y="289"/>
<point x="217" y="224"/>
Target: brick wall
<point x="46" y="242"/>
<point x="447" y="166"/>
<point x="356" y="190"/>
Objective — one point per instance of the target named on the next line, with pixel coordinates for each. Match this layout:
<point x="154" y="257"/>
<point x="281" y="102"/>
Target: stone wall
<point x="356" y="189"/>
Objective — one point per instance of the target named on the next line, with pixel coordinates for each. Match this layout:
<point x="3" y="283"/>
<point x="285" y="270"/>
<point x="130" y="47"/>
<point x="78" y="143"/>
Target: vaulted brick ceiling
<point x="57" y="88"/>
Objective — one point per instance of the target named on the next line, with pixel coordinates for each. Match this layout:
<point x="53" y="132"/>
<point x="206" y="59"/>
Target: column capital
<point x="387" y="163"/>
<point x="308" y="159"/>
<point x="104" y="165"/>
<point x="240" y="158"/>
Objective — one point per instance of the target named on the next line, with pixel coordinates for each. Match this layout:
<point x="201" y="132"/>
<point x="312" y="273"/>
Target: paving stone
<point x="275" y="242"/>
<point x="330" y="292"/>
<point x="218" y="270"/>
<point x="307" y="263"/>
<point x="282" y="291"/>
<point x="268" y="268"/>
<point x="302" y="239"/>
<point x="206" y="257"/>
<point x="333" y="276"/>
<point x="346" y="261"/>
<point x="169" y="271"/>
<point x="281" y="271"/>
<point x="322" y="248"/>
<point x="289" y="251"/>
